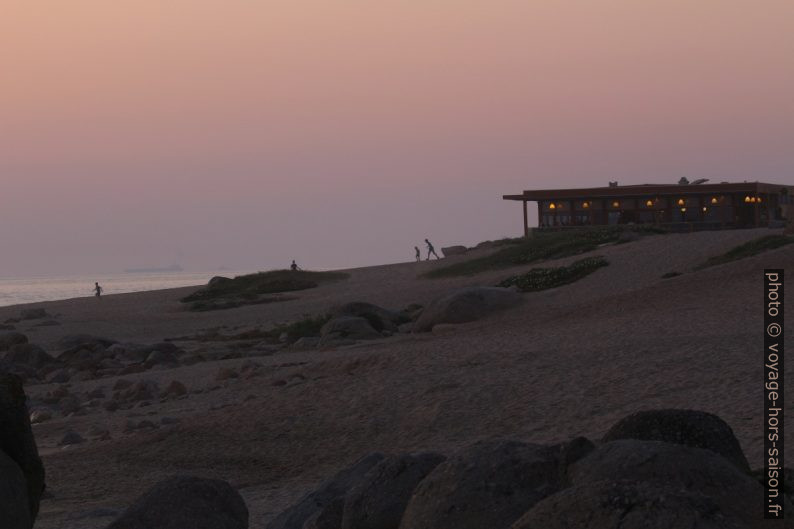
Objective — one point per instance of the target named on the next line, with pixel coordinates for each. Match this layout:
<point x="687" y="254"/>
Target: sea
<point x="15" y="291"/>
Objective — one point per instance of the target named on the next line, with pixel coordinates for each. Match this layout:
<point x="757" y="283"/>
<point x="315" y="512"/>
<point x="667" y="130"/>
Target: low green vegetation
<point x="748" y="249"/>
<point x="252" y="289"/>
<point x="545" y="278"/>
<point x="540" y="247"/>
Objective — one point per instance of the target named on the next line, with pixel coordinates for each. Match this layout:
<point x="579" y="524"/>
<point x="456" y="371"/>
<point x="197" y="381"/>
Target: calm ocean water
<point x="29" y="290"/>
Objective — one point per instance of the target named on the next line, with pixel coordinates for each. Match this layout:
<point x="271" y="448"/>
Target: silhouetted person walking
<point x="97" y="289"/>
<point x="430" y="250"/>
<point x="418" y="254"/>
<point x="294" y="266"/>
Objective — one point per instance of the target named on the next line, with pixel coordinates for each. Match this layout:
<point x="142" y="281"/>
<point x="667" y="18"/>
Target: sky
<point x="247" y="133"/>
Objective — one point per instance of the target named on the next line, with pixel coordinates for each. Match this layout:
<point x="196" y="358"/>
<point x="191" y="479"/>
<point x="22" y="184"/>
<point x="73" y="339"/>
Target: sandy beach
<point x="569" y="361"/>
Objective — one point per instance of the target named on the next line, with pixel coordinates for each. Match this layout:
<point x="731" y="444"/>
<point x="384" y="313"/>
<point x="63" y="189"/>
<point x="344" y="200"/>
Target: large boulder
<point x="185" y="501"/>
<point x="687" y="427"/>
<point x="453" y="250"/>
<point x="330" y="491"/>
<point x="465" y="305"/>
<point x="16" y="438"/>
<point x="28" y="354"/>
<point x="378" y="502"/>
<point x="8" y="339"/>
<point x="627" y="505"/>
<point x="640" y="484"/>
<point x="490" y="484"/>
<point x="14" y="507"/>
<point x="379" y="318"/>
<point x="344" y="328"/>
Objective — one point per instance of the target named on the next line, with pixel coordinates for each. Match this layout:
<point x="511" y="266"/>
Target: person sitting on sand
<point x="418" y="254"/>
<point x="97" y="289"/>
<point x="430" y="250"/>
<point x="294" y="266"/>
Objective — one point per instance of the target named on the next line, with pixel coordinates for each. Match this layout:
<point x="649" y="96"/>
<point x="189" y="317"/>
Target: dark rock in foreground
<point x="378" y="502"/>
<point x="490" y="484"/>
<point x="185" y="502"/>
<point x="702" y="473"/>
<point x="16" y="439"/>
<point x="687" y="427"/>
<point x="627" y="505"/>
<point x="14" y="507"/>
<point x="332" y="490"/>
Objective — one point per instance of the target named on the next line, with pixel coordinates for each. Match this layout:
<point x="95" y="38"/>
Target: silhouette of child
<point x="97" y="289"/>
<point x="418" y="254"/>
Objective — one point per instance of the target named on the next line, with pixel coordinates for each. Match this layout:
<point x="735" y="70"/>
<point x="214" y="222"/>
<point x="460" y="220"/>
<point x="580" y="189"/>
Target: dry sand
<point x="570" y="361"/>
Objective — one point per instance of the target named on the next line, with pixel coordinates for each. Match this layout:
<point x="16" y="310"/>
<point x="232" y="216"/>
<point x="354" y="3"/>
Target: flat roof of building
<point x="649" y="189"/>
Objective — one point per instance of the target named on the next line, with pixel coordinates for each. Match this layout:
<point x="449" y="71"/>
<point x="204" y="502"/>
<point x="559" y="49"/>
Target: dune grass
<point x="545" y="278"/>
<point x="748" y="249"/>
<point x="540" y="247"/>
<point x="254" y="289"/>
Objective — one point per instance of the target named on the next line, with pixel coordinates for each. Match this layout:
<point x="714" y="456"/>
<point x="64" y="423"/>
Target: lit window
<point x="615" y="204"/>
<point x="758" y="199"/>
<point x="649" y="203"/>
<point x="747" y="199"/>
<point x="585" y="205"/>
<point x="552" y="206"/>
<point x="705" y="208"/>
<point x="713" y="200"/>
<point x="683" y="210"/>
<point x="681" y="202"/>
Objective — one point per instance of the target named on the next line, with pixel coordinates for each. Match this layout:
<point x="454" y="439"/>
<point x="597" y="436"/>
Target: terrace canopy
<point x="678" y="206"/>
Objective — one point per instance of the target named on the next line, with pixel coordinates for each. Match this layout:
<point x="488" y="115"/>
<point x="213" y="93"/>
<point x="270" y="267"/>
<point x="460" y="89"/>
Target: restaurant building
<point x="680" y="206"/>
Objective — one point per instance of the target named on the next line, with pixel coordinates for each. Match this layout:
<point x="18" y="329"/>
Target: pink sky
<point x="341" y="133"/>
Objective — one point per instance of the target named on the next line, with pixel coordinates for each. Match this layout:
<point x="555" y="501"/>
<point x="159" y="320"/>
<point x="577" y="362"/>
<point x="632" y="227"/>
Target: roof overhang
<point x="648" y="190"/>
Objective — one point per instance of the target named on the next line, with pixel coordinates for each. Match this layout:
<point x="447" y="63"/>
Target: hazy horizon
<point x="340" y="134"/>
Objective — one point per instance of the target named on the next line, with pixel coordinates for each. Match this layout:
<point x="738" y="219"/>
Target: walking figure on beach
<point x="418" y="254"/>
<point x="294" y="266"/>
<point x="430" y="250"/>
<point x="97" y="289"/>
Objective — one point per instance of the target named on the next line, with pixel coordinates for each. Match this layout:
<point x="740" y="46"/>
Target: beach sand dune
<point x="569" y="361"/>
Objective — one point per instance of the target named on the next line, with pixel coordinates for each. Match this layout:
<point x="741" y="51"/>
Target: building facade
<point x="677" y="206"/>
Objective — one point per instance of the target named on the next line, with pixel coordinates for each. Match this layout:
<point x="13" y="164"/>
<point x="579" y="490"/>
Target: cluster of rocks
<point x="664" y="468"/>
<point x="357" y="321"/>
<point x="85" y="357"/>
<point x="653" y="469"/>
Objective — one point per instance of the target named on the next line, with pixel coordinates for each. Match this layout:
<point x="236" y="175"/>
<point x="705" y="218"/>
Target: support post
<point x="526" y="221"/>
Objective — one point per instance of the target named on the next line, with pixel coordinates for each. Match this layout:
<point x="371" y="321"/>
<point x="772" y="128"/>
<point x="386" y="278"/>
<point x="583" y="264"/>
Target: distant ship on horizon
<point x="172" y="268"/>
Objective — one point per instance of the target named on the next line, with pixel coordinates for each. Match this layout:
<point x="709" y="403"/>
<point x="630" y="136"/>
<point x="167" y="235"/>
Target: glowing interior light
<point x="683" y="210"/>
<point x="705" y="208"/>
<point x="585" y="205"/>
<point x="552" y="206"/>
<point x="747" y="199"/>
<point x="649" y="203"/>
<point x="681" y="202"/>
<point x="616" y="204"/>
<point x="714" y="200"/>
